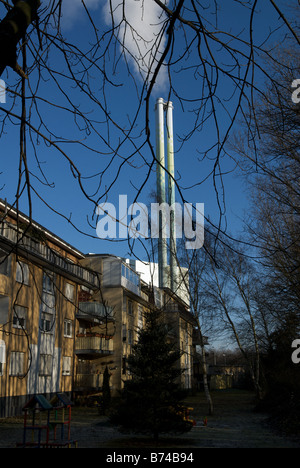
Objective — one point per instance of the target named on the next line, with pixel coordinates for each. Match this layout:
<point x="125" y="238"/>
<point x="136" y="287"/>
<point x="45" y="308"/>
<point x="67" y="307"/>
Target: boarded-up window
<point x="4" y="304"/>
<point x="16" y="365"/>
<point x="2" y="356"/>
<point x="45" y="364"/>
<point x="22" y="273"/>
<point x="48" y="282"/>
<point x="130" y="337"/>
<point x="5" y="262"/>
<point x="69" y="291"/>
<point x="66" y="365"/>
<point x="140" y="317"/>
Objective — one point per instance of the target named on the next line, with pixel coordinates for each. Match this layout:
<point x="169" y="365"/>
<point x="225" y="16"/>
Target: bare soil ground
<point x="234" y="424"/>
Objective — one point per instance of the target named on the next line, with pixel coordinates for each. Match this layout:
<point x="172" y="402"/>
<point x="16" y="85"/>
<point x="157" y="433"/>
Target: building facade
<point x="66" y="316"/>
<point x="130" y="298"/>
<point x="40" y="277"/>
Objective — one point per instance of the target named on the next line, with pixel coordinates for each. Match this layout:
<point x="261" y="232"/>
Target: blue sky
<point x="66" y="197"/>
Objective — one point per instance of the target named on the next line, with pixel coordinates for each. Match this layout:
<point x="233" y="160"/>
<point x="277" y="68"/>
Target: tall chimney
<point x="171" y="197"/>
<point x="161" y="189"/>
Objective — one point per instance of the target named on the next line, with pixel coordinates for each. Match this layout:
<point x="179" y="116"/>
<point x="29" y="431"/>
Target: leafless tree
<point x="57" y="73"/>
<point x="273" y="182"/>
<point x="156" y="43"/>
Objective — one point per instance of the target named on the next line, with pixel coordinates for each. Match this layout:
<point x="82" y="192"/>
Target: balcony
<point x="93" y="346"/>
<point x="94" y="312"/>
<point x="39" y="251"/>
<point x="91" y="381"/>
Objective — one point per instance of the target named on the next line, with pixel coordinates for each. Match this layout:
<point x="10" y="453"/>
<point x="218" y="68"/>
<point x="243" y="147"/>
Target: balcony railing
<point x="43" y="252"/>
<point x="88" y="380"/>
<point x="95" y="311"/>
<point x="93" y="345"/>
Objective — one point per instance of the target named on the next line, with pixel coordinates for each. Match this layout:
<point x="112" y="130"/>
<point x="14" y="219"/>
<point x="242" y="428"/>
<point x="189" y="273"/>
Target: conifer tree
<point x="152" y="399"/>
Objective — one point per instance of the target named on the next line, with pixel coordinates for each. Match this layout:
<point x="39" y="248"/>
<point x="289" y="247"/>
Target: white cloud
<point x="141" y="34"/>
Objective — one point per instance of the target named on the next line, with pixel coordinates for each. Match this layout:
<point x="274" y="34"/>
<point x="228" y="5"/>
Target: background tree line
<point x="247" y="290"/>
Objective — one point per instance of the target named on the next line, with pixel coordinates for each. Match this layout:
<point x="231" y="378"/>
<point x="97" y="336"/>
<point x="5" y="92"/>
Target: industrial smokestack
<point x="161" y="189"/>
<point x="171" y="197"/>
<point x="161" y="106"/>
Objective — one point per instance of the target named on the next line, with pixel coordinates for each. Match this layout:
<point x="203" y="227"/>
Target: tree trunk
<point x="205" y="383"/>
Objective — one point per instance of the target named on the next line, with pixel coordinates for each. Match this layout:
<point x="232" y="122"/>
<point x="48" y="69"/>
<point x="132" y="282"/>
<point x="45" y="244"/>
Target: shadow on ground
<point x="234" y="424"/>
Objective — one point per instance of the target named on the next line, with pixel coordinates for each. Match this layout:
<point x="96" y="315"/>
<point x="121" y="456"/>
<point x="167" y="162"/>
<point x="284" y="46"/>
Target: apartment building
<point x="40" y="279"/>
<point x="130" y="293"/>
<point x="66" y="316"/>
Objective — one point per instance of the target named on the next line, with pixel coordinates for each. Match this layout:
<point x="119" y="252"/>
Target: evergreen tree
<point x="151" y="400"/>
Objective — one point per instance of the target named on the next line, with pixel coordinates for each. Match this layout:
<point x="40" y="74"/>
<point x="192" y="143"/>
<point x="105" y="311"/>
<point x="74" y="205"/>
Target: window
<point x="48" y="303"/>
<point x="130" y="308"/>
<point x="124" y="332"/>
<point x="22" y="273"/>
<point x="4" y="308"/>
<point x="2" y="356"/>
<point x="19" y="318"/>
<point x="124" y="365"/>
<point x="140" y="317"/>
<point x="16" y="365"/>
<point x="66" y="365"/>
<point x="46" y="322"/>
<point x="45" y="364"/>
<point x="130" y="275"/>
<point x="4" y="265"/>
<point x="68" y="328"/>
<point x="130" y="337"/>
<point x="69" y="291"/>
<point x="48" y="283"/>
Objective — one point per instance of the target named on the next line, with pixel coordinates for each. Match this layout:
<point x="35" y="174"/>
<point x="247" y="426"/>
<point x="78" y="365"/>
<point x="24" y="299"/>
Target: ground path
<point x="233" y="425"/>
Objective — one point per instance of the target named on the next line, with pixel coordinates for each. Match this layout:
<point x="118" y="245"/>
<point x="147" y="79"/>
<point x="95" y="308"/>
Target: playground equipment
<point x="42" y="419"/>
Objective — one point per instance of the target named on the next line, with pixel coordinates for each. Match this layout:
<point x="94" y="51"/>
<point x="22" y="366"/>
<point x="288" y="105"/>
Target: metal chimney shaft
<point x="171" y="196"/>
<point x="161" y="188"/>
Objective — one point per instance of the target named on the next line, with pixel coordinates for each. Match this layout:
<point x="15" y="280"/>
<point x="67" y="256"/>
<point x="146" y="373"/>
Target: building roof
<point x="8" y="209"/>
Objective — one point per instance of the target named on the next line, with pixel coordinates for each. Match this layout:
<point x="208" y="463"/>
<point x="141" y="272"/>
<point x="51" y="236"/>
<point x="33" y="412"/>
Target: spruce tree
<point x="152" y="399"/>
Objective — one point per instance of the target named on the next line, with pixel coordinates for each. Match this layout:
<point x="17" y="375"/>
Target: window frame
<point x="68" y="334"/>
<point x="70" y="287"/>
<point x="48" y="282"/>
<point x="43" y="321"/>
<point x="17" y="316"/>
<point x="22" y="272"/>
<point x="130" y="307"/>
<point x="16" y="366"/>
<point x="5" y="265"/>
<point x="67" y="365"/>
<point x="130" y="336"/>
<point x="2" y="356"/>
<point x="45" y="365"/>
